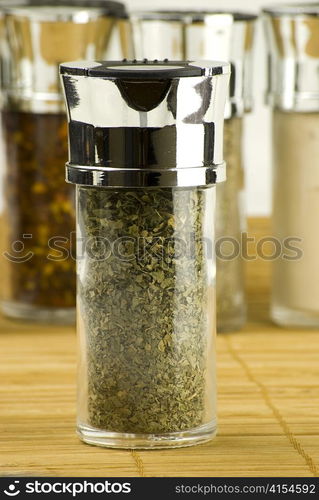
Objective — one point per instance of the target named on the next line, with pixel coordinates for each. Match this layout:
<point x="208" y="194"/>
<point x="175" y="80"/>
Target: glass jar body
<point x="295" y="277"/>
<point x="230" y="223"/>
<point x="38" y="219"/>
<point x="146" y="316"/>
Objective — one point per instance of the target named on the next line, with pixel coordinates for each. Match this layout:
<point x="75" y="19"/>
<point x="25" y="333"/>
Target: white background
<point x="257" y="135"/>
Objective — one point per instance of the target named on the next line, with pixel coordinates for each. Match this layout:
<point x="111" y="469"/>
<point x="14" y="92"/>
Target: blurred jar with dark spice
<point x="222" y="36"/>
<point x="38" y="217"/>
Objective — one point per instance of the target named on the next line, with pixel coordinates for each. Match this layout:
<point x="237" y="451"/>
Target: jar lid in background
<point x="36" y="36"/>
<point x="292" y="35"/>
<point x="202" y="35"/>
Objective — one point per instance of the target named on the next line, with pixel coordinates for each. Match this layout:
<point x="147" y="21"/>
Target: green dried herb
<point x="148" y="339"/>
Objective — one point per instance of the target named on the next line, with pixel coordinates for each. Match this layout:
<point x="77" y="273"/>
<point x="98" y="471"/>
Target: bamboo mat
<point x="268" y="403"/>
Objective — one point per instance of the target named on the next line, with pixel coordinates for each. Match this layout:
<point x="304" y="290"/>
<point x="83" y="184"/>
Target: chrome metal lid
<point x="39" y="35"/>
<point x="202" y="35"/>
<point x="292" y="33"/>
<point x="145" y="123"/>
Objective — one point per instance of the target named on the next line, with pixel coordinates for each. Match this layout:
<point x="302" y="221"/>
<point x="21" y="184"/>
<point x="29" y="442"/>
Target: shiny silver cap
<point x="145" y="123"/>
<point x="292" y="33"/>
<point x="38" y="35"/>
<point x="202" y="35"/>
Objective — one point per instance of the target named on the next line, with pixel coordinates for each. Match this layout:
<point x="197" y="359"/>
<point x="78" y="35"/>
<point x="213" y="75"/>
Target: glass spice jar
<point x="145" y="170"/>
<point x="38" y="217"/>
<point x="214" y="35"/>
<point x="292" y="33"/>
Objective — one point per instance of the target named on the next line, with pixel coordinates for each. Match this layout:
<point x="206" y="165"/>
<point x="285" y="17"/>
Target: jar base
<point x="231" y="323"/>
<point x="98" y="437"/>
<point x="286" y="317"/>
<point x="15" y="310"/>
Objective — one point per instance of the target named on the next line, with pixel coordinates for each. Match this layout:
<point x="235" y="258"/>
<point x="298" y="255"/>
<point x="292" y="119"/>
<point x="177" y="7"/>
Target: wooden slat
<point x="268" y="402"/>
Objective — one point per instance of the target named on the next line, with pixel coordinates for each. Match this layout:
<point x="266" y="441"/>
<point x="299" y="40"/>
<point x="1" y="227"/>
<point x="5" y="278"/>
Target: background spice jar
<point x="230" y="223"/>
<point x="146" y="257"/>
<point x="221" y="36"/>
<point x="38" y="218"/>
<point x="292" y="33"/>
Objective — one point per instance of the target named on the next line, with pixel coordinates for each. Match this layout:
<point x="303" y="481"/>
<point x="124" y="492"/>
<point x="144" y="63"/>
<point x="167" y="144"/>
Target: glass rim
<point x="61" y="10"/>
<point x="195" y="15"/>
<point x="297" y="9"/>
